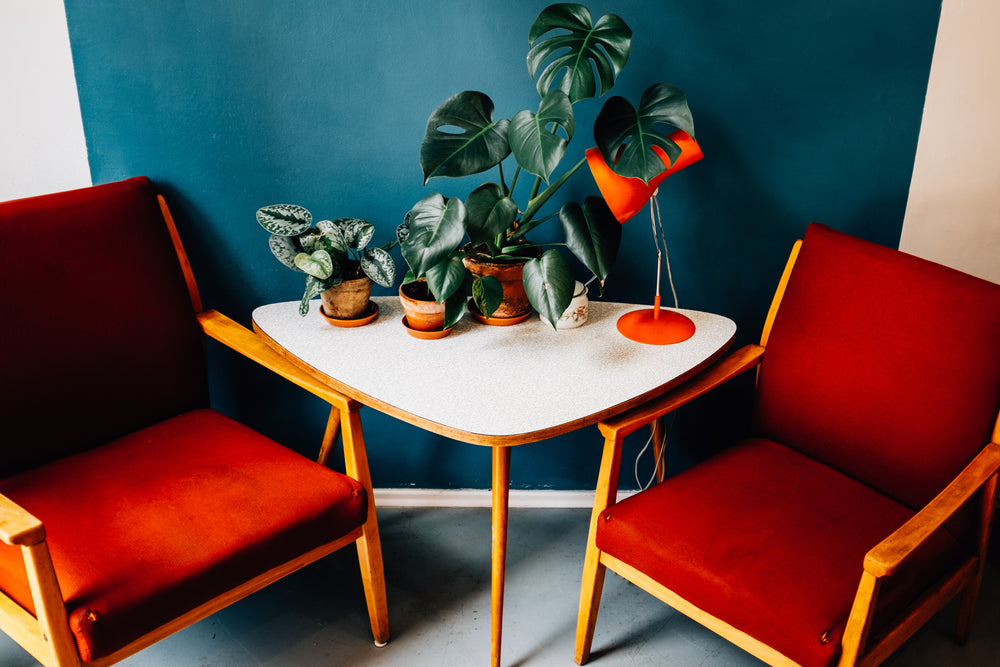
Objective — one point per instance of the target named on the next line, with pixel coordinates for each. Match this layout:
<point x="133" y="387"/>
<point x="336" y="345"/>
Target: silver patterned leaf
<point x="284" y="219"/>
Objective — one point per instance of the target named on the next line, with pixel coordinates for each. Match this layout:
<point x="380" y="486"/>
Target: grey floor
<point x="437" y="568"/>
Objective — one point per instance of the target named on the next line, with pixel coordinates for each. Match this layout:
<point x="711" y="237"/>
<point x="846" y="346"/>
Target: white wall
<point x="42" y="147"/>
<point x="953" y="212"/>
<point x="952" y="216"/>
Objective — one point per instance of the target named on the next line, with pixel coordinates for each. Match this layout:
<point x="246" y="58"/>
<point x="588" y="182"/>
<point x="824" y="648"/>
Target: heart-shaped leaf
<point x="319" y="264"/>
<point x="284" y="249"/>
<point x="284" y="219"/>
<point x="357" y="233"/>
<point x="379" y="266"/>
<point x="436" y="228"/>
<point x="593" y="234"/>
<point x="549" y="284"/>
<point x="487" y="292"/>
<point x="626" y="135"/>
<point x="314" y="287"/>
<point x="462" y="138"/>
<point x="333" y="232"/>
<point x="570" y="58"/>
<point x="534" y="138"/>
<point x="447" y="277"/>
<point x="488" y="214"/>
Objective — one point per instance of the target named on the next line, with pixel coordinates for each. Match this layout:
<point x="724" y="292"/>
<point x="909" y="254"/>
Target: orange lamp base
<point x="655" y="327"/>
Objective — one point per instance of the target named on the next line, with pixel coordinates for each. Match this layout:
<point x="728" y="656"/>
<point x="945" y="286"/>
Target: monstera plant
<point x="570" y="59"/>
<point x="329" y="254"/>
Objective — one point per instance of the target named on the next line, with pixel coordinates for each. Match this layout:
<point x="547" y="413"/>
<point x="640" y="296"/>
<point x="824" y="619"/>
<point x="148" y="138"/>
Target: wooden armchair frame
<point x="858" y="648"/>
<point x="48" y="636"/>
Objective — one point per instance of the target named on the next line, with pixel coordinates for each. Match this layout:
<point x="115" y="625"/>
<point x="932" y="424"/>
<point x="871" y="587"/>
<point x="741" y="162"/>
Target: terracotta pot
<point x="348" y="300"/>
<point x="423" y="313"/>
<point x="515" y="301"/>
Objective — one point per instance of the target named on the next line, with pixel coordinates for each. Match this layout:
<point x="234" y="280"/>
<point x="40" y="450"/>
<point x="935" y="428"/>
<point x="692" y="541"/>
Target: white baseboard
<point x="519" y="498"/>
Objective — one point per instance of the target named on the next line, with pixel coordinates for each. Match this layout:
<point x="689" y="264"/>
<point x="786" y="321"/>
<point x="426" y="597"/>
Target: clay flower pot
<point x="423" y="313"/>
<point x="348" y="300"/>
<point x="515" y="301"/>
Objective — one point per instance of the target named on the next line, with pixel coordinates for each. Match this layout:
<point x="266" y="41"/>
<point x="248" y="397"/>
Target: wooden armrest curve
<point x="18" y="527"/>
<point x="722" y="371"/>
<point x="234" y="335"/>
<point x="887" y="555"/>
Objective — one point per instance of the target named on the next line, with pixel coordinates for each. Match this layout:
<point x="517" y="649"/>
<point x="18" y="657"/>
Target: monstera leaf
<point x="592" y="234"/>
<point x="445" y="278"/>
<point x="488" y="214"/>
<point x="548" y="282"/>
<point x="534" y="138"/>
<point x="626" y="135"/>
<point x="435" y="227"/>
<point x="575" y="54"/>
<point x="284" y="219"/>
<point x="462" y="138"/>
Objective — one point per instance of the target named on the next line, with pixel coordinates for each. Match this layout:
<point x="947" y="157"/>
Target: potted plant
<point x="334" y="255"/>
<point x="445" y="240"/>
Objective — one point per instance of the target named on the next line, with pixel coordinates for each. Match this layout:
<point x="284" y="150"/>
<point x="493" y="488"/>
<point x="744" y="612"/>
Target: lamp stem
<point x="657" y="220"/>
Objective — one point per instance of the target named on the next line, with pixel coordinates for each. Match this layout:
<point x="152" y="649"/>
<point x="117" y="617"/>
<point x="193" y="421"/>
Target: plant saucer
<point x="371" y="312"/>
<point x="426" y="335"/>
<point x="496" y="321"/>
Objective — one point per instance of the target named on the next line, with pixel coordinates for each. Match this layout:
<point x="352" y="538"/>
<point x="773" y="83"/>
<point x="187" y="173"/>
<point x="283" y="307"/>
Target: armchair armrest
<point x="246" y="342"/>
<point x="886" y="556"/>
<point x="728" y="368"/>
<point x="17" y="526"/>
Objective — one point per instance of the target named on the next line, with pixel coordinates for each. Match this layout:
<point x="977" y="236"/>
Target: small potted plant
<point x="334" y="255"/>
<point x="461" y="248"/>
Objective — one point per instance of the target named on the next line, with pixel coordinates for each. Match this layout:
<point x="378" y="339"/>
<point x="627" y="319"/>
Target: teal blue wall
<point x="805" y="111"/>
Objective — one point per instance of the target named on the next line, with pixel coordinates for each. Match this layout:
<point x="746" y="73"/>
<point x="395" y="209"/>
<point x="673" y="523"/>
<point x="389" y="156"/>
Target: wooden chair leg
<point x="369" y="544"/>
<point x="967" y="606"/>
<point x="592" y="585"/>
<point x="50" y="608"/>
<point x="590" y="601"/>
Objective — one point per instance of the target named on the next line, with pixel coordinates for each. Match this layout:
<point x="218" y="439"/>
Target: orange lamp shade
<point x="627" y="196"/>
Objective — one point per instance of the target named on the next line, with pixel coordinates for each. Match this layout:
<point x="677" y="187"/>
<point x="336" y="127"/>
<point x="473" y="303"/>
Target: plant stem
<point x="536" y="202"/>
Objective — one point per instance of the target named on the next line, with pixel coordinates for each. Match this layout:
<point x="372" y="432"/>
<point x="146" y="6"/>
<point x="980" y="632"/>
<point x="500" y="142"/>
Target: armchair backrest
<point x="98" y="331"/>
<point x="882" y="365"/>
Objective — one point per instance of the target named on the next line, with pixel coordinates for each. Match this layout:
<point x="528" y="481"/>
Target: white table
<point x="496" y="386"/>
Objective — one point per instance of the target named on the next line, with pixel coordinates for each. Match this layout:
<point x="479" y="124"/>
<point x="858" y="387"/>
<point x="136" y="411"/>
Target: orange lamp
<point x="625" y="198"/>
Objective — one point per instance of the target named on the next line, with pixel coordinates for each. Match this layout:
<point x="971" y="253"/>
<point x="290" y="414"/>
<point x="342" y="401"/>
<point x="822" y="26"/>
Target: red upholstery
<point x="757" y="537"/>
<point x="97" y="323"/>
<point x="219" y="492"/>
<point x="882" y="365"/>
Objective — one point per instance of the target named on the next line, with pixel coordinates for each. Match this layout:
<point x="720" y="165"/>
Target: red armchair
<point x="129" y="508"/>
<point x="860" y="501"/>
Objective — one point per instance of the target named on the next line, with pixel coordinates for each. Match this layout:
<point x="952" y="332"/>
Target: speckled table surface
<point x="496" y="385"/>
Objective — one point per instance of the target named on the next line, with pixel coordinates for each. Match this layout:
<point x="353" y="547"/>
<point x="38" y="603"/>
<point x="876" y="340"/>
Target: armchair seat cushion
<point x="756" y="537"/>
<point x="228" y="504"/>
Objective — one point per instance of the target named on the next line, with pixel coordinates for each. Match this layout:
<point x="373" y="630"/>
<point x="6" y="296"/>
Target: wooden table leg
<point x="657" y="427"/>
<point x="501" y="487"/>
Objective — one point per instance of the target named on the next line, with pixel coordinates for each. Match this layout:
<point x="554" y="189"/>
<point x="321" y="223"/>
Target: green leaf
<point x="284" y="219"/>
<point x="357" y="233"/>
<point x="570" y="58"/>
<point x="333" y="232"/>
<point x="593" y="234"/>
<point x="462" y="138"/>
<point x="436" y="228"/>
<point x="314" y="287"/>
<point x="488" y="214"/>
<point x="285" y="249"/>
<point x="454" y="308"/>
<point x="319" y="264"/>
<point x="534" y="138"/>
<point x="311" y="241"/>
<point x="487" y="292"/>
<point x="549" y="284"/>
<point x="447" y="277"/>
<point x="379" y="266"/>
<point x="626" y="135"/>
